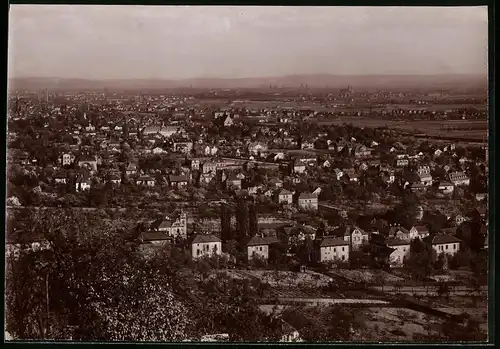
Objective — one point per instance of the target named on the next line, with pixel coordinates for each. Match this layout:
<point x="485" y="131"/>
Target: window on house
<point x="260" y="248"/>
<point x="454" y="246"/>
<point x="198" y="252"/>
<point x="343" y="257"/>
<point x="446" y="247"/>
<point x="334" y="249"/>
<point x="343" y="248"/>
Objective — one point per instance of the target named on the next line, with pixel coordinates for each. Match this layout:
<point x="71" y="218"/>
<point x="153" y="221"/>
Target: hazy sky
<point x="107" y="42"/>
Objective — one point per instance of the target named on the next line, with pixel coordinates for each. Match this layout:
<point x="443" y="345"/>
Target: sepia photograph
<point x="257" y="174"/>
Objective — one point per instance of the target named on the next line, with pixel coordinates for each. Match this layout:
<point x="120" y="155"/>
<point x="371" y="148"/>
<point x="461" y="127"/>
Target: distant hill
<point x="319" y="80"/>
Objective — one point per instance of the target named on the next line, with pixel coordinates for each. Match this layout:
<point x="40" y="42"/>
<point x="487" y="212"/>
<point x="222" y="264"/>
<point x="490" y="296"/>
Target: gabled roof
<point x="333" y="241"/>
<point x="259" y="241"/>
<point x="445" y="239"/>
<point x="421" y="229"/>
<point x="145" y="178"/>
<point x="304" y="196"/>
<point x="178" y="179"/>
<point x="199" y="239"/>
<point x="397" y="242"/>
<point x="285" y="192"/>
<point x="156" y="236"/>
<point x="87" y="158"/>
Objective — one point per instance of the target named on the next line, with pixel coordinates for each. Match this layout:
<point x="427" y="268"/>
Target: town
<point x="249" y="214"/>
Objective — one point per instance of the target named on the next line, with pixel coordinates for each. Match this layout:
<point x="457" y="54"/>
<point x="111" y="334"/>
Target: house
<point x="178" y="181"/>
<point x="417" y="187"/>
<point x="259" y="247"/>
<point x="183" y="147"/>
<point x="145" y="180"/>
<point x="401" y="250"/>
<point x="338" y="173"/>
<point x="233" y="182"/>
<point x="83" y="184"/>
<point x="195" y="164"/>
<point x="307" y="145"/>
<point x="165" y="131"/>
<point x="333" y="249"/>
<point x="285" y="197"/>
<point x="362" y="151"/>
<point x="438" y="152"/>
<point x="206" y="178"/>
<point x="402" y="162"/>
<point x="459" y="178"/>
<point x="88" y="161"/>
<point x="256" y="148"/>
<point x="115" y="179"/>
<point x="308" y="202"/>
<point x="355" y="236"/>
<point x="447" y="244"/>
<point x="131" y="169"/>
<point x="418" y="231"/>
<point x="228" y="122"/>
<point x="352" y="175"/>
<point x="158" y="150"/>
<point x="424" y="173"/>
<point x="60" y="178"/>
<point x="210" y="167"/>
<point x="326" y="164"/>
<point x="363" y="166"/>
<point x="481" y="196"/>
<point x="67" y="159"/>
<point x="459" y="219"/>
<point x="177" y="228"/>
<point x="299" y="166"/>
<point x="317" y="191"/>
<point x="206" y="246"/>
<point x="446" y="187"/>
<point x="399" y="233"/>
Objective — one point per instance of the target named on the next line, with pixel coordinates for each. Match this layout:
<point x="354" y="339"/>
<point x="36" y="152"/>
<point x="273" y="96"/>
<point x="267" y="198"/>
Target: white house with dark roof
<point x="418" y="231"/>
<point x="259" y="247"/>
<point x="338" y="173"/>
<point x="285" y="197"/>
<point x="146" y="181"/>
<point x="334" y="249"/>
<point x="355" y="236"/>
<point x="67" y="159"/>
<point x="299" y="166"/>
<point x="424" y="173"/>
<point x="177" y="228"/>
<point x="401" y="250"/>
<point x="448" y="244"/>
<point x="206" y="245"/>
<point x="88" y="161"/>
<point x="178" y="181"/>
<point x="446" y="187"/>
<point x="308" y="202"/>
<point x="459" y="178"/>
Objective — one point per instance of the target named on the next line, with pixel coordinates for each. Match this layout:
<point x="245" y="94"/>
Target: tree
<point x="421" y="259"/>
<point x="97" y="285"/>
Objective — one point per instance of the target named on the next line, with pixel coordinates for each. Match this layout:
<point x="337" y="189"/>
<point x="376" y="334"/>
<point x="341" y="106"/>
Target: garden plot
<point x="288" y="278"/>
<point x="368" y="276"/>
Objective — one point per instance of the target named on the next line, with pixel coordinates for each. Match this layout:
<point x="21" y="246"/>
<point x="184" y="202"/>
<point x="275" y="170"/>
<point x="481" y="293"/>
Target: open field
<point x="467" y="129"/>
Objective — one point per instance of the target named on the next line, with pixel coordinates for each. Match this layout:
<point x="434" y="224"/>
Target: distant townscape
<point x="263" y="214"/>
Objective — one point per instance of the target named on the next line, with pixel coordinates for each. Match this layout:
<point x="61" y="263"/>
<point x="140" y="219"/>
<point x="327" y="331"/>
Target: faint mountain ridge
<point x="311" y="80"/>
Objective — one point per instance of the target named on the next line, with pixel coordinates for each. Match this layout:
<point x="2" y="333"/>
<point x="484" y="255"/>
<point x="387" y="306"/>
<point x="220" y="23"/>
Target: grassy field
<point x="460" y="128"/>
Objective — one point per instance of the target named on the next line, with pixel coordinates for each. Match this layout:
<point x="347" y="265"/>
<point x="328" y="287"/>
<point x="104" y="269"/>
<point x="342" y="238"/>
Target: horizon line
<point x="256" y="77"/>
